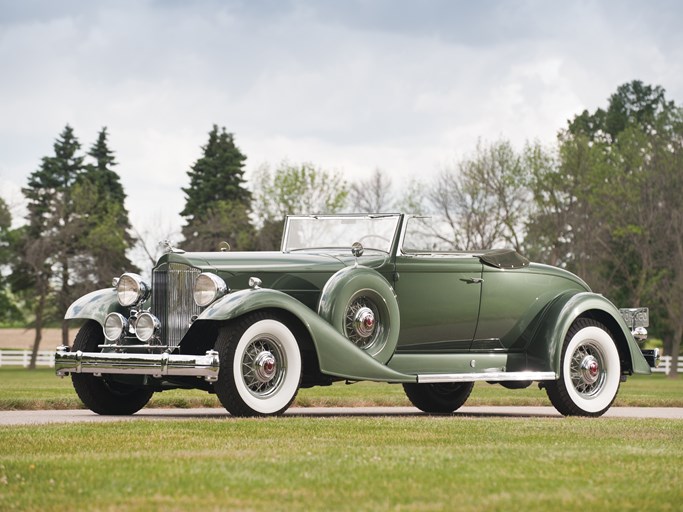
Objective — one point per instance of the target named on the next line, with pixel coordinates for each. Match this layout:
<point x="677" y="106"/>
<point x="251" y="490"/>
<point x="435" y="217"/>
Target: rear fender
<point x="548" y="340"/>
<point x="337" y="356"/>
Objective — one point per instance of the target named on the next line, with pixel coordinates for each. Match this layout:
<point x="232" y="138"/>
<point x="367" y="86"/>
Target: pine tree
<point x="99" y="200"/>
<point x="77" y="234"/>
<point x="217" y="202"/>
<point x="51" y="238"/>
<point x="101" y="172"/>
<point x="48" y="191"/>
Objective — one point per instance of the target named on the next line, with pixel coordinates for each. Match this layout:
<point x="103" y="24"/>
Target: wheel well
<point x="617" y="335"/>
<point x="202" y="337"/>
<point x="311" y="374"/>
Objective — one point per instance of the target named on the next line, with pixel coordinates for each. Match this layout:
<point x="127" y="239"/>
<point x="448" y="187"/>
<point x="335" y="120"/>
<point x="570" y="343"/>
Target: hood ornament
<point x="166" y="244"/>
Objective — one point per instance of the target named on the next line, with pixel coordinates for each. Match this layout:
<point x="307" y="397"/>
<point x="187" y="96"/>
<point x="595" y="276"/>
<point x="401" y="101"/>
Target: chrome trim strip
<point x="128" y="347"/>
<point x="485" y="376"/>
<point x="157" y="365"/>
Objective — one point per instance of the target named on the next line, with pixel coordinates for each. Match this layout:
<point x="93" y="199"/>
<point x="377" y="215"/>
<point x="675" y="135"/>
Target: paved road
<point x="84" y="416"/>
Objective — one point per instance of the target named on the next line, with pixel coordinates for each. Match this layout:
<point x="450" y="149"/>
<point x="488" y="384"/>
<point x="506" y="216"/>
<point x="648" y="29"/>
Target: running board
<point x="485" y="376"/>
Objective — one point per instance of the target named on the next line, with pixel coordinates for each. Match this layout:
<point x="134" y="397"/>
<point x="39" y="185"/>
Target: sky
<point x="407" y="87"/>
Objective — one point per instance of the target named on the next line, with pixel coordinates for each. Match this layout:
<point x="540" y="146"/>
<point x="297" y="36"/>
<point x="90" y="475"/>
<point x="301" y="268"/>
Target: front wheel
<point x="260" y="366"/>
<point x="101" y="394"/>
<point x="442" y="398"/>
<point x="590" y="371"/>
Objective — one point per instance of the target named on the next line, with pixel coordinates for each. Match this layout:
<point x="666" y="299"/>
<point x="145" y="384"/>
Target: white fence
<point x="23" y="358"/>
<point x="665" y="365"/>
<point x="47" y="358"/>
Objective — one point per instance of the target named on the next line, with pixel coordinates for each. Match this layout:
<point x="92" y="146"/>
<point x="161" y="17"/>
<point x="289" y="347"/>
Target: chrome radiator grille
<point x="172" y="301"/>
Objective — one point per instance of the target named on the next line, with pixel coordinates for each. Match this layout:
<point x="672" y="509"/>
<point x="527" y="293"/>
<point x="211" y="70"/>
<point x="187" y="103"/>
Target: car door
<point x="438" y="297"/>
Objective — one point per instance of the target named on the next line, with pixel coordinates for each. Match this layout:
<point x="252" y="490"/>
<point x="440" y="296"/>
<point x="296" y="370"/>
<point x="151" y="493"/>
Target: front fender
<point x="94" y="306"/>
<point x="546" y="346"/>
<point x="337" y="356"/>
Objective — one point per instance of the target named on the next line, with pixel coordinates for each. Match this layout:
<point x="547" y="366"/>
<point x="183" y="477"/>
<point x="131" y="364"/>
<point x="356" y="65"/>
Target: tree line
<point x="603" y="202"/>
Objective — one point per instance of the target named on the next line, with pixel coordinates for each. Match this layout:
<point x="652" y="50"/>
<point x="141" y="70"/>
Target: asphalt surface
<point x="85" y="416"/>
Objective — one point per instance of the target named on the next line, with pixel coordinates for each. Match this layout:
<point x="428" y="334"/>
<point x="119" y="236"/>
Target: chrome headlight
<point x="115" y="326"/>
<point x="207" y="288"/>
<point x="131" y="289"/>
<point x="146" y="326"/>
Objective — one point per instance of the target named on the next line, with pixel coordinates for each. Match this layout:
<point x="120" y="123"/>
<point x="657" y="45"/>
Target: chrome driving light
<point x="131" y="289"/>
<point x="207" y="288"/>
<point x="115" y="327"/>
<point x="147" y="326"/>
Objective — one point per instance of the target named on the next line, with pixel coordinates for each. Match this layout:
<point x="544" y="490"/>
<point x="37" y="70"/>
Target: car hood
<point x="235" y="263"/>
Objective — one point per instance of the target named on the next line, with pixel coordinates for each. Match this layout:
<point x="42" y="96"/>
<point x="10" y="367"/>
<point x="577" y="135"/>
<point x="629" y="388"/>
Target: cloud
<point x="352" y="86"/>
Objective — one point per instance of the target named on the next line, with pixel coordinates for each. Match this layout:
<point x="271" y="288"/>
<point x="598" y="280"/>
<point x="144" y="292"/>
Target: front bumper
<point x="156" y="365"/>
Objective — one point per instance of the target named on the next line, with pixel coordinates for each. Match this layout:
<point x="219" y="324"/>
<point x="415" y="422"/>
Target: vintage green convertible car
<point x="351" y="297"/>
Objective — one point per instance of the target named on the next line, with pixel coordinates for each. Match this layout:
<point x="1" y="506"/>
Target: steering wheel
<point x="365" y="237"/>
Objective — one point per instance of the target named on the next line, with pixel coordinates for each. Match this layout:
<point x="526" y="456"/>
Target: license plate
<point x="636" y="317"/>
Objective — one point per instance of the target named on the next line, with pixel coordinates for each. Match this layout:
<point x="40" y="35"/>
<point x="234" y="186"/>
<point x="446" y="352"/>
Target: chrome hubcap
<point x="586" y="370"/>
<point x="590" y="369"/>
<point x="263" y="366"/>
<point x="362" y="323"/>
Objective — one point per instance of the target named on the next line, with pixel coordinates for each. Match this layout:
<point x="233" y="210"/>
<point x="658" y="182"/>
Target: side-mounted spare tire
<point x="362" y="306"/>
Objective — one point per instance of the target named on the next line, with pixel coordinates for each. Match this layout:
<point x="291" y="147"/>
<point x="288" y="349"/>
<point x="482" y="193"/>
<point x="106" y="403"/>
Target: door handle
<point x="473" y="280"/>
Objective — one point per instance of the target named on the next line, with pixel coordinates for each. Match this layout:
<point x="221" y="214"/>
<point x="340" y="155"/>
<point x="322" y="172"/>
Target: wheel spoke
<point x="587" y="370"/>
<point x="362" y="322"/>
<point x="263" y="366"/>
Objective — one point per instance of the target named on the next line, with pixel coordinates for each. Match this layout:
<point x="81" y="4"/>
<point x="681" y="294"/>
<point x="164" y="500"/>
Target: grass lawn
<point x="291" y="463"/>
<point x="40" y="389"/>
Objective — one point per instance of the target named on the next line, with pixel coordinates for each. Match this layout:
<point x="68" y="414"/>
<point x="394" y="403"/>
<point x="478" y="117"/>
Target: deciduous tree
<point x="294" y="189"/>
<point x="372" y="195"/>
<point x="10" y="312"/>
<point x="614" y="203"/>
<point x="484" y="199"/>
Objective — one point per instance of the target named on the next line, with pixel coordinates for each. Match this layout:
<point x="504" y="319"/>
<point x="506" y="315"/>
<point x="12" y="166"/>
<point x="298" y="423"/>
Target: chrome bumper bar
<point x="156" y="365"/>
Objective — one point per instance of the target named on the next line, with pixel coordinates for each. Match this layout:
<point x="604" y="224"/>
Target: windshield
<point x="340" y="232"/>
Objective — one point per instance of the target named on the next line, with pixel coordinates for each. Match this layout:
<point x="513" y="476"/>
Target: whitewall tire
<point x="590" y="371"/>
<point x="260" y="366"/>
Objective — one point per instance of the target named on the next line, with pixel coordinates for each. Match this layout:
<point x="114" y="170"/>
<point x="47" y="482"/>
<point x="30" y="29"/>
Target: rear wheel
<point x="101" y="394"/>
<point x="260" y="366"/>
<point x="590" y="371"/>
<point x="441" y="398"/>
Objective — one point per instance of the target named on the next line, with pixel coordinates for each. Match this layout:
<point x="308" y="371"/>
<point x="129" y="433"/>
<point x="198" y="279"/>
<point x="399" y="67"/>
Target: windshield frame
<point x="391" y="237"/>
